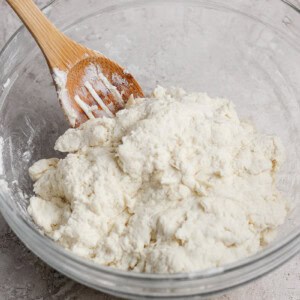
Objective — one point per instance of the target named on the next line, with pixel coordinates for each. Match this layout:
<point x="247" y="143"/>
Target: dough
<point x="174" y="183"/>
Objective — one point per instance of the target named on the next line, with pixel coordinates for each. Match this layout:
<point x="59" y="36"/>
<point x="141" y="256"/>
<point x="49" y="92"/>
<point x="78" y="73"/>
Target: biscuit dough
<point x="174" y="183"/>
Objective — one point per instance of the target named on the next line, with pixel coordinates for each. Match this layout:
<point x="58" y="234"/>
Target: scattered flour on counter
<point x="173" y="183"/>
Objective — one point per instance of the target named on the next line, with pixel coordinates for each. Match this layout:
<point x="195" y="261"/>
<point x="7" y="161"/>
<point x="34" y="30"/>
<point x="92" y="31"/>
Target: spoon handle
<point x="59" y="50"/>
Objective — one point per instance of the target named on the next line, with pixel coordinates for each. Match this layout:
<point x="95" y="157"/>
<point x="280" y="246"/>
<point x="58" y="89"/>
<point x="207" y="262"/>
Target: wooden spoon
<point x="89" y="84"/>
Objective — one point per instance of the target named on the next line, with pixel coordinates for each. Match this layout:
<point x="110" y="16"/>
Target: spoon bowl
<point x="96" y="87"/>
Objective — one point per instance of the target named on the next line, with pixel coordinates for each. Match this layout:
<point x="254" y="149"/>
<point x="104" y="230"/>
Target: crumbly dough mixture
<point x="173" y="183"/>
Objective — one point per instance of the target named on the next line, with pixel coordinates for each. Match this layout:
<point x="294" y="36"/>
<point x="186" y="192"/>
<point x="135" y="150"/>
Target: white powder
<point x="60" y="78"/>
<point x="6" y="83"/>
<point x="173" y="183"/>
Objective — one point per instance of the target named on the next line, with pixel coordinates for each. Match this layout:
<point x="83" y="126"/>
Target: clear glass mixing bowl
<point x="247" y="51"/>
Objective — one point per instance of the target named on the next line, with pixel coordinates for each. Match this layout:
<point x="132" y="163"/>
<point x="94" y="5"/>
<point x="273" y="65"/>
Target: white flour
<point x="174" y="183"/>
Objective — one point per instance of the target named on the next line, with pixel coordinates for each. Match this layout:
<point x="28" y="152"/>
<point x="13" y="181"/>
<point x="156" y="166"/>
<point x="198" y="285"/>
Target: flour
<point x="6" y="83"/>
<point x="173" y="183"/>
<point x="60" y="78"/>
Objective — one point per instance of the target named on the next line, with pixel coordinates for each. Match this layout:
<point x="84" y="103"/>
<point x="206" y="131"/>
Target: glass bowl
<point x="247" y="51"/>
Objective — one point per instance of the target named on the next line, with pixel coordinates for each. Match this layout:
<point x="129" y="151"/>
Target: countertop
<point x="24" y="276"/>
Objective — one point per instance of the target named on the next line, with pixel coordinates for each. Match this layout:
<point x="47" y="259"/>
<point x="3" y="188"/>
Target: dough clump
<point x="174" y="183"/>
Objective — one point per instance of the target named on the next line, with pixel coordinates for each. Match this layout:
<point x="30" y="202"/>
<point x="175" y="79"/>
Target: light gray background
<point x="24" y="276"/>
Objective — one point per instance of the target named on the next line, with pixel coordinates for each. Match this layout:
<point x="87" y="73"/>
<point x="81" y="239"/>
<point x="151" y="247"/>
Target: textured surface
<point x="23" y="276"/>
<point x="193" y="186"/>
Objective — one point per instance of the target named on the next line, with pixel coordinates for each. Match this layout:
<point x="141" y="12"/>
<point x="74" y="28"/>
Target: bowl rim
<point x="21" y="226"/>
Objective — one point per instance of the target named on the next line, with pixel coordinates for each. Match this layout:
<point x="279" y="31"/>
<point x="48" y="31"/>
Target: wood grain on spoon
<point x="103" y="93"/>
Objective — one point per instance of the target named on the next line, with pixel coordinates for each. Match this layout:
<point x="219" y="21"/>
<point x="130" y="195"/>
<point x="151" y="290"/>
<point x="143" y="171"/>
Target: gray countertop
<point x="24" y="276"/>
